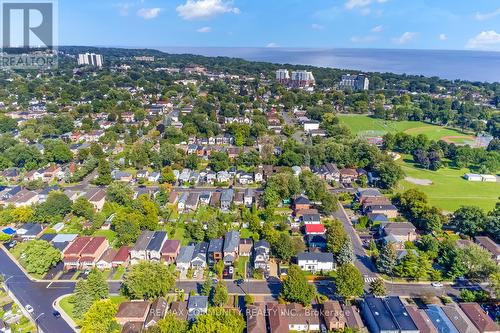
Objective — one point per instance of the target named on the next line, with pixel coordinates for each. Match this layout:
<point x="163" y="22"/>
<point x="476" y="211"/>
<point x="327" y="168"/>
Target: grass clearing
<point x="67" y="305"/>
<point x="240" y="267"/>
<point x="449" y="190"/>
<point x="120" y="270"/>
<point x="364" y="125"/>
<point x="109" y="234"/>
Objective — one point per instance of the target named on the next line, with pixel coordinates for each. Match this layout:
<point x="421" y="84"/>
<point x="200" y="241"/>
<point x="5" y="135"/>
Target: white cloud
<point x="405" y="38"/>
<point x="204" y="29"/>
<point x="486" y="16"/>
<point x="486" y="40"/>
<point x="123" y="8"/>
<point x="364" y="39"/>
<point x="148" y="13"/>
<point x="442" y="37"/>
<point x="205" y="9"/>
<point x="351" y="4"/>
<point x="316" y="26"/>
<point x="378" y="28"/>
<point x="272" y="45"/>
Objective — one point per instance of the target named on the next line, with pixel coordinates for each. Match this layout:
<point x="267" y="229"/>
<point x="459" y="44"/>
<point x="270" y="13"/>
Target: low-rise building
<point x="132" y="312"/>
<point x="479" y="318"/>
<point x="316" y="262"/>
<point x="170" y="251"/>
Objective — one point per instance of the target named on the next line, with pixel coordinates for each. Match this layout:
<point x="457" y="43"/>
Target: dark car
<point x="56" y="314"/>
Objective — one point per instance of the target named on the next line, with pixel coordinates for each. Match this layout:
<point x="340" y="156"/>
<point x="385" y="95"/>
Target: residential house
<point x="97" y="197"/>
<point x="226" y="199"/>
<point x="489" y="245"/>
<point x="377" y="316"/>
<point x="301" y="319"/>
<point x="246" y="246"/>
<point x="183" y="260"/>
<point x="132" y="312"/>
<point x="278" y="322"/>
<point x="71" y="255"/>
<point x="256" y="318"/>
<point x="192" y="201"/>
<point x="245" y="178"/>
<point x="316" y="262"/>
<point x="184" y="176"/>
<point x="181" y="202"/>
<point x="353" y="318"/>
<point x="316" y="241"/>
<point x="301" y="202"/>
<point x="153" y="250"/>
<point x="333" y="316"/>
<point x="311" y="219"/>
<point x="210" y="177"/>
<point x="248" y="197"/>
<point x="30" y="231"/>
<point x="197" y="305"/>
<point x="231" y="247"/>
<point x="157" y="311"/>
<point x="215" y="251"/>
<point x="389" y="210"/>
<point x="139" y="251"/>
<point x="348" y="175"/>
<point x="258" y="175"/>
<point x="122" y="257"/>
<point x="398" y="232"/>
<point x="179" y="309"/>
<point x="92" y="252"/>
<point x="142" y="174"/>
<point x="154" y="177"/>
<point x="261" y="251"/>
<point x="440" y="321"/>
<point x="205" y="198"/>
<point x="223" y="177"/>
<point x="106" y="260"/>
<point x="400" y="315"/>
<point x="121" y="176"/>
<point x="170" y="250"/>
<point x="459" y="319"/>
<point x="421" y="320"/>
<point x="199" y="259"/>
<point x="315" y="229"/>
<point x="215" y="199"/>
<point x="22" y="198"/>
<point x="479" y="318"/>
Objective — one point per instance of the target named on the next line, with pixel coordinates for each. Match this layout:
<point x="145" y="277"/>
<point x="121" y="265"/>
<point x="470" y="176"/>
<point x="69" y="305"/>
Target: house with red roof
<point x="315" y="229"/>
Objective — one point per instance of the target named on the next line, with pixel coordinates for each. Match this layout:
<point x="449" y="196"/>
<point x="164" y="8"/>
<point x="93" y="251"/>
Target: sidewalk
<point x="64" y="315"/>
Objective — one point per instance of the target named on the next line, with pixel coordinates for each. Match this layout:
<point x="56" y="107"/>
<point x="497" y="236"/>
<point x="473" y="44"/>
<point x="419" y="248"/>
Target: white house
<point x="311" y="125"/>
<point x="316" y="262"/>
<point x="489" y="178"/>
<point x="473" y="177"/>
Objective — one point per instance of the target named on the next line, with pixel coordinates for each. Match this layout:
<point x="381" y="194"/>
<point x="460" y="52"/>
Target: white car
<point x="437" y="284"/>
<point x="29" y="308"/>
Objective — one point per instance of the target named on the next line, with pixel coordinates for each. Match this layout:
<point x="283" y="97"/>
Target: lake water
<point x="465" y="65"/>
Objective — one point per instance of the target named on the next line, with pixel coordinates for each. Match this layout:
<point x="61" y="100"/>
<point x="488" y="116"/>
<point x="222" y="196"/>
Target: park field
<point x="365" y="126"/>
<point x="447" y="189"/>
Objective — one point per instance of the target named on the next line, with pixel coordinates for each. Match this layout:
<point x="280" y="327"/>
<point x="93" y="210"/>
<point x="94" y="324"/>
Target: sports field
<point x="365" y="126"/>
<point x="449" y="190"/>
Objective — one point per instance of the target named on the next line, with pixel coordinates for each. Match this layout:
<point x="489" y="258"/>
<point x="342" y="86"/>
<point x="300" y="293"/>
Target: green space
<point x="67" y="304"/>
<point x="364" y="125"/>
<point x="240" y="267"/>
<point x="449" y="190"/>
<point x="119" y="273"/>
<point x="109" y="234"/>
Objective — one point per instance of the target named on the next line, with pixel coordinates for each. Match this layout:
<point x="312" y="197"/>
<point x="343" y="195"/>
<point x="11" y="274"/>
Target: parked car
<point x="29" y="308"/>
<point x="56" y="314"/>
<point x="437" y="284"/>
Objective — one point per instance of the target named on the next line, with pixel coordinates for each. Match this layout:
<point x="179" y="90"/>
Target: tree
<point x="100" y="318"/>
<point x="89" y="290"/>
<point x="495" y="284"/>
<point x="218" y="320"/>
<point x="39" y="256"/>
<point x="206" y="287"/>
<point x="220" y="295"/>
<point x="283" y="247"/>
<point x="119" y="193"/>
<point x="219" y="161"/>
<point x="148" y="280"/>
<point x="83" y="208"/>
<point x="386" y="259"/>
<point x="103" y="173"/>
<point x="336" y="236"/>
<point x="469" y="220"/>
<point x="377" y="287"/>
<point x="349" y="281"/>
<point x="478" y="262"/>
<point x="219" y="268"/>
<point x="57" y="151"/>
<point x="346" y="253"/>
<point x="54" y="208"/>
<point x="296" y="288"/>
<point x="169" y="324"/>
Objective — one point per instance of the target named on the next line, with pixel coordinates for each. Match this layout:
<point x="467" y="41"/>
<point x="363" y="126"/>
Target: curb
<point x="64" y="315"/>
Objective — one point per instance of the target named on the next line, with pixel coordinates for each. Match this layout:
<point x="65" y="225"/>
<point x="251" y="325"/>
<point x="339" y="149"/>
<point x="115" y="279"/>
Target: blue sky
<point x="415" y="24"/>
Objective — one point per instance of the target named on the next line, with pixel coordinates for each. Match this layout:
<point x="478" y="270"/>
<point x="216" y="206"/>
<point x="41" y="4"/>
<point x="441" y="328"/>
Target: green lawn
<point x="67" y="305"/>
<point x="119" y="273"/>
<point x="449" y="190"/>
<point x="240" y="268"/>
<point x="365" y="126"/>
<point x="109" y="234"/>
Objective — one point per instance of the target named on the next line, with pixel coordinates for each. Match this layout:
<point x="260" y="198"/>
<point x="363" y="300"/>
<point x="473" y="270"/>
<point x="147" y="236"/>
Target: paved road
<point x="38" y="294"/>
<point x="363" y="262"/>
